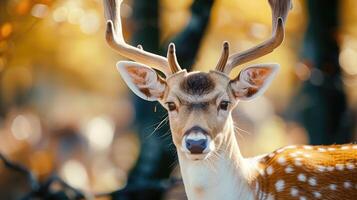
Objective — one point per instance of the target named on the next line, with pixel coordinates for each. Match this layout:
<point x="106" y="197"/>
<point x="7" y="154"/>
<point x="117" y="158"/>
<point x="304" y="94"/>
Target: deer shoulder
<point x="308" y="172"/>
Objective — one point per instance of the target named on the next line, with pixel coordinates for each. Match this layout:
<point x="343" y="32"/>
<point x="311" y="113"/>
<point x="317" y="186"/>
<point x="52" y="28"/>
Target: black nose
<point x="196" y="146"/>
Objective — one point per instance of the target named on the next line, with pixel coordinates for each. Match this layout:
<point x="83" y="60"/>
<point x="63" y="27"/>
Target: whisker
<point x="167" y="133"/>
<point x="159" y="126"/>
<point x="240" y="129"/>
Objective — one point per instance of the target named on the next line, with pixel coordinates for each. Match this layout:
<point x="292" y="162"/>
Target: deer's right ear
<point x="142" y="80"/>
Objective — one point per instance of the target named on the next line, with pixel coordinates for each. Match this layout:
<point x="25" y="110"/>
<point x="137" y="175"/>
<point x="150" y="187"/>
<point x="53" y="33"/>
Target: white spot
<point x="340" y="167"/>
<point x="281" y="160"/>
<point x="279" y="185"/>
<point x="302" y="177"/>
<point x="345" y="147"/>
<point x="350" y="166"/>
<point x="331" y="149"/>
<point x="317" y="194"/>
<point x="330" y="168"/>
<point x="298" y="159"/>
<point x="354" y="147"/>
<point x="270" y="197"/>
<point x="312" y="181"/>
<point x="302" y="198"/>
<point x="333" y="186"/>
<point x="298" y="162"/>
<point x="321" y="149"/>
<point x="261" y="171"/>
<point x="321" y="168"/>
<point x="270" y="170"/>
<point x="289" y="169"/>
<point x="306" y="155"/>
<point x="299" y="152"/>
<point x="271" y="155"/>
<point x="347" y="184"/>
<point x="293" y="155"/>
<point x="307" y="147"/>
<point x="280" y="150"/>
<point x="294" y="192"/>
<point x="291" y="147"/>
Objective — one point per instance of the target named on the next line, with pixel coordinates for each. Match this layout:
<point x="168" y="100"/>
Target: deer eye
<point x="171" y="106"/>
<point x="224" y="105"/>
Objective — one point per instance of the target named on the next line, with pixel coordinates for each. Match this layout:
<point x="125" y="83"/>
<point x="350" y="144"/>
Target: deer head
<point x="199" y="103"/>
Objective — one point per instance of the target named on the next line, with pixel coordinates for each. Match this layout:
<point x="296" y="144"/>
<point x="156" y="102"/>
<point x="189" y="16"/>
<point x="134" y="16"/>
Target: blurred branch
<point x="137" y="192"/>
<point x="21" y="169"/>
<point x="43" y="190"/>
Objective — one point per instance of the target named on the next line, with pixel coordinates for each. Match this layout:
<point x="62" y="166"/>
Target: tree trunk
<point x="320" y="104"/>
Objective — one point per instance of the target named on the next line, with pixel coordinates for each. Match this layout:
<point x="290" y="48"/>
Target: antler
<point x="280" y="9"/>
<point x="115" y="39"/>
<point x="171" y="57"/>
<point x="224" y="57"/>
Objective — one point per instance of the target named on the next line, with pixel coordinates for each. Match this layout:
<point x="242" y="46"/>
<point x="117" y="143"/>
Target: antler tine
<point x="172" y="59"/>
<point x="280" y="9"/>
<point x="224" y="57"/>
<point x="115" y="39"/>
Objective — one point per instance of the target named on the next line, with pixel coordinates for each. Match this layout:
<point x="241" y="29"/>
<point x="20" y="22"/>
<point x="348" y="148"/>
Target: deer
<point x="200" y="105"/>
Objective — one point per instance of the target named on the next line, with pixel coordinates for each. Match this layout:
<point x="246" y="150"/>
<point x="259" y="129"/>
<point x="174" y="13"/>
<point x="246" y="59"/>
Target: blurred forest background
<point x="64" y="109"/>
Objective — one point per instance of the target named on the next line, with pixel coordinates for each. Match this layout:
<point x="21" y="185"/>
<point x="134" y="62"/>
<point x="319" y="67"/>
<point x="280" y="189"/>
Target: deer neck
<point x="225" y="176"/>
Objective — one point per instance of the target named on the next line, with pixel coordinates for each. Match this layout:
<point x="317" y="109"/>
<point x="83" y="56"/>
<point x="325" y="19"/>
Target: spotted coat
<point x="307" y="172"/>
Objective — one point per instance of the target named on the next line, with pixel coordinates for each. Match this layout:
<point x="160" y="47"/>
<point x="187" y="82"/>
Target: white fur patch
<point x="307" y="147"/>
<point x="321" y="168"/>
<point x="330" y="168"/>
<point x="350" y="166"/>
<point x="281" y="160"/>
<point x="279" y="185"/>
<point x="293" y="155"/>
<point x="345" y="147"/>
<point x="301" y="177"/>
<point x="312" y="181"/>
<point x="294" y="192"/>
<point x="340" y="167"/>
<point x="289" y="169"/>
<point x="333" y="186"/>
<point x="347" y="184"/>
<point x="317" y="194"/>
<point x="270" y="170"/>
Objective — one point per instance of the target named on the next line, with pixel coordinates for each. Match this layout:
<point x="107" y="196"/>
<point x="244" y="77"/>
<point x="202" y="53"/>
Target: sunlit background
<point x="65" y="109"/>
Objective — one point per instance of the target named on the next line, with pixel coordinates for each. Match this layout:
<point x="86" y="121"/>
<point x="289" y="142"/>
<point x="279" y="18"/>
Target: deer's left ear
<point x="142" y="80"/>
<point x="253" y="81"/>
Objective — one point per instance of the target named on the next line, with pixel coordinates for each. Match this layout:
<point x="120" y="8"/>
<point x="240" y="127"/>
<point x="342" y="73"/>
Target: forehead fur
<point x="197" y="86"/>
